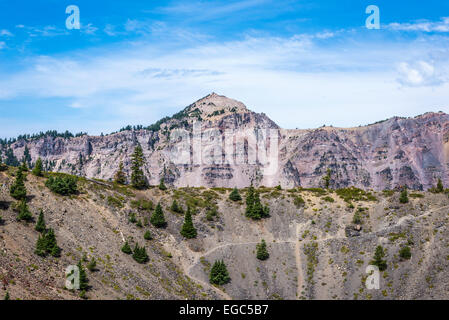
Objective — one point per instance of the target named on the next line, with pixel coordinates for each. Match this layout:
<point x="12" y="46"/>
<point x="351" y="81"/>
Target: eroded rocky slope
<point x="316" y="251"/>
<point x="385" y="155"/>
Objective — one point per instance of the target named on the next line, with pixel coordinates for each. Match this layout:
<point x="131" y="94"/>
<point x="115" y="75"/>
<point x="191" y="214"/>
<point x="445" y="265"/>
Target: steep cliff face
<point x="217" y="141"/>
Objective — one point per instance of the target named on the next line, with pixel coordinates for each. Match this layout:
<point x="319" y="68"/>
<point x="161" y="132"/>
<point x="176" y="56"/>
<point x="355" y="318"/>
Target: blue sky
<point x="303" y="63"/>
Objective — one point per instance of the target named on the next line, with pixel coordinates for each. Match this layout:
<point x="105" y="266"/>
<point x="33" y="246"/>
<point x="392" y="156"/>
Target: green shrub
<point x="262" y="252"/>
<point x="405" y="252"/>
<point x="147" y="235"/>
<point x="219" y="274"/>
<point x="62" y="184"/>
<point x="140" y="254"/>
<point x="298" y="201"/>
<point x="355" y="194"/>
<point x="142" y="204"/>
<point x="115" y="202"/>
<point x="91" y="266"/>
<point x="328" y="199"/>
<point x="357" y="218"/>
<point x="235" y="195"/>
<point x="175" y="207"/>
<point x="378" y="261"/>
<point x="126" y="248"/>
<point x="162" y="185"/>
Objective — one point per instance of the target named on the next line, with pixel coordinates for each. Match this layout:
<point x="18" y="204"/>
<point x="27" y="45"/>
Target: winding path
<point x="297" y="249"/>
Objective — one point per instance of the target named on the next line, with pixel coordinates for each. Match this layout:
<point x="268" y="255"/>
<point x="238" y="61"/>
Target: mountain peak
<point x="215" y="104"/>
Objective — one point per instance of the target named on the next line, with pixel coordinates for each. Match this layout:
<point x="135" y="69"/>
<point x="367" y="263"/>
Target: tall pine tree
<point x="24" y="212"/>
<point x="17" y="189"/>
<point x="157" y="218"/>
<point x="120" y="176"/>
<point x="38" y="168"/>
<point x="188" y="230"/>
<point x="138" y="179"/>
<point x="40" y="225"/>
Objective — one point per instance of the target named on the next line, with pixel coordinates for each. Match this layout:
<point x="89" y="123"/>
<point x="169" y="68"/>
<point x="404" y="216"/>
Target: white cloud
<point x="5" y="33"/>
<point x="422" y="25"/>
<point x="2" y="45"/>
<point x="293" y="80"/>
<point x="88" y="29"/>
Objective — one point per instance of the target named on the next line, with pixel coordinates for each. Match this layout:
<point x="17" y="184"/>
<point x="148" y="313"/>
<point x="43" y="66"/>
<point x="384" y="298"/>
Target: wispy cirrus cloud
<point x="422" y="25"/>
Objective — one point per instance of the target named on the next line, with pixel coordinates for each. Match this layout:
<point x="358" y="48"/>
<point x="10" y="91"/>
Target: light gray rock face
<point x="234" y="142"/>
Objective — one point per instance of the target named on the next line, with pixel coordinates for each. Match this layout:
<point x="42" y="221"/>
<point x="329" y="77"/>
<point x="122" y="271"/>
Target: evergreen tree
<point x="140" y="254"/>
<point x="403" y="198"/>
<point x="51" y="244"/>
<point x="83" y="278"/>
<point x="440" y="187"/>
<point x="23" y="166"/>
<point x="219" y="274"/>
<point x="92" y="265"/>
<point x="17" y="189"/>
<point x="157" y="218"/>
<point x="11" y="159"/>
<point x="40" y="225"/>
<point x="147" y="235"/>
<point x="262" y="252"/>
<point x="24" y="212"/>
<point x="6" y="296"/>
<point x="254" y="209"/>
<point x="38" y="168"/>
<point x="377" y="260"/>
<point x="46" y="244"/>
<point x="327" y="178"/>
<point x="27" y="156"/>
<point x="62" y="184"/>
<point x="41" y="249"/>
<point x="235" y="195"/>
<point x="162" y="185"/>
<point x="138" y="179"/>
<point x="120" y="176"/>
<point x="175" y="207"/>
<point x="126" y="248"/>
<point x="188" y="230"/>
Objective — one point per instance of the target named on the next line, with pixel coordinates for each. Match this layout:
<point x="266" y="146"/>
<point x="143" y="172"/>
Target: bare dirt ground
<point x="311" y="256"/>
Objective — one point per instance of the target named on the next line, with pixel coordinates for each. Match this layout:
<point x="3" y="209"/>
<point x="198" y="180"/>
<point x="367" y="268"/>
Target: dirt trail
<point x="297" y="249"/>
